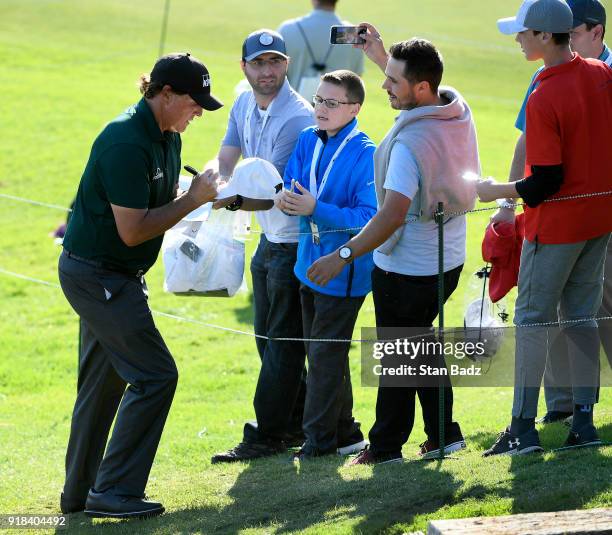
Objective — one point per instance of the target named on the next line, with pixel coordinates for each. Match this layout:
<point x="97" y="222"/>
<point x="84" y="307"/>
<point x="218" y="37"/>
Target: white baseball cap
<point x="551" y="16"/>
<point x="253" y="178"/>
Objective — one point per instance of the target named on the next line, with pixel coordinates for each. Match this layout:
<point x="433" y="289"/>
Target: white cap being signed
<point x="253" y="178"/>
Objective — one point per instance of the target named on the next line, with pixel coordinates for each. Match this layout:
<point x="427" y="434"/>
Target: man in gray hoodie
<point x="419" y="163"/>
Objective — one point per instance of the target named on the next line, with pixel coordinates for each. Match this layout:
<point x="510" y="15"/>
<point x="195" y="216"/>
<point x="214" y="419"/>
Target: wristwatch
<point x="236" y="204"/>
<point x="346" y="253"/>
<point x="506" y="203"/>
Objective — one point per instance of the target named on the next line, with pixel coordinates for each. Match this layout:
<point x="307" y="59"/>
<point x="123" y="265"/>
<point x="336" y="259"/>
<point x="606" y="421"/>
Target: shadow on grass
<point x="557" y="480"/>
<point x="569" y="479"/>
<point x="277" y="495"/>
<point x="293" y="498"/>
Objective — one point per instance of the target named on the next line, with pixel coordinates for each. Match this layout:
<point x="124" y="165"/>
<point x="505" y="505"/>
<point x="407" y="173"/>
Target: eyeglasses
<point x="330" y="103"/>
<point x="259" y="64"/>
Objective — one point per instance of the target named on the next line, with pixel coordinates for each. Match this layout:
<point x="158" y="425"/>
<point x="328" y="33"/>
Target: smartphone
<point x="347" y="35"/>
<point x="190" y="250"/>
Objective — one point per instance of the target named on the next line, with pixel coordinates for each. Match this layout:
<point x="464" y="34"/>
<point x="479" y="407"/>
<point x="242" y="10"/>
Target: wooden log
<point x="582" y="522"/>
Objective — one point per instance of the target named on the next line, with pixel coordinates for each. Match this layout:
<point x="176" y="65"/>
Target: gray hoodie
<point x="443" y="142"/>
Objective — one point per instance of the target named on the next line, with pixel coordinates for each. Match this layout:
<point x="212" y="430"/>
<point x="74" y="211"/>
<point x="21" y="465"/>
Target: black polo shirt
<point x="132" y="164"/>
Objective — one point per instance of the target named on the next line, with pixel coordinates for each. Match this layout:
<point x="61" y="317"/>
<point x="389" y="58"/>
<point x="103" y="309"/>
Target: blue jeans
<point x="558" y="282"/>
<point x="281" y="386"/>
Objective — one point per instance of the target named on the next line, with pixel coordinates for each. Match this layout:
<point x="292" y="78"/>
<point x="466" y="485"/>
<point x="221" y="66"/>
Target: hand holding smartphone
<point x="347" y="35"/>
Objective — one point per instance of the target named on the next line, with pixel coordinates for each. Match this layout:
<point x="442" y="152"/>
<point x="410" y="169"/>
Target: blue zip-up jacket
<point x="347" y="201"/>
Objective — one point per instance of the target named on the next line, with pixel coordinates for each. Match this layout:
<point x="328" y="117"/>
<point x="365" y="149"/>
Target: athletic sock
<point x="520" y="426"/>
<point x="583" y="415"/>
<point x="559" y="414"/>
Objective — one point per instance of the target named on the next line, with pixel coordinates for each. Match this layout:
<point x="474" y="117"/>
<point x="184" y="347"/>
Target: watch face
<point x="345" y="253"/>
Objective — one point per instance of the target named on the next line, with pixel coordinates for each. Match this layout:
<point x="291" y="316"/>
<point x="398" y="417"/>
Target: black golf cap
<point x="186" y="74"/>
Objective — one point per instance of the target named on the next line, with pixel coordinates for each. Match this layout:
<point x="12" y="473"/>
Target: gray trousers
<point x="120" y="347"/>
<point x="558" y="282"/>
<point x="328" y="412"/>
<point x="557" y="383"/>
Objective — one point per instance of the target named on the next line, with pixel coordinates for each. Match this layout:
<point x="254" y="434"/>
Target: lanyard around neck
<point x="250" y="148"/>
<point x="605" y="56"/>
<point x="315" y="156"/>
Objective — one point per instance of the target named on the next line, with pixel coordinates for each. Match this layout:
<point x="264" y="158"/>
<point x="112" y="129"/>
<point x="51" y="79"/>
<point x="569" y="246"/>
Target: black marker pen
<point x="191" y="170"/>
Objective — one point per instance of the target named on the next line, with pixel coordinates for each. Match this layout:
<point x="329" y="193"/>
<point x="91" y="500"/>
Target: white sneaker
<point x="430" y="451"/>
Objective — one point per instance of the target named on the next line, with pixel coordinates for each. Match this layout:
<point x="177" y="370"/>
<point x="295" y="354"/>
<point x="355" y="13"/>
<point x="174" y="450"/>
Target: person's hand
<point x="297" y="204"/>
<point x="325" y="269"/>
<point x="222" y="203"/>
<point x="486" y="189"/>
<point x="279" y="199"/>
<point x="503" y="215"/>
<point x="373" y="46"/>
<point x="203" y="187"/>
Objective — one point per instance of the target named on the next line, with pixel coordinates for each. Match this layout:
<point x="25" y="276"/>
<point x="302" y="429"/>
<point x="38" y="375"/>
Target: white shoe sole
<point x="398" y="460"/>
<point x="353" y="448"/>
<point x="450" y="448"/>
<point x="132" y="514"/>
<point x="592" y="444"/>
<point x="524" y="451"/>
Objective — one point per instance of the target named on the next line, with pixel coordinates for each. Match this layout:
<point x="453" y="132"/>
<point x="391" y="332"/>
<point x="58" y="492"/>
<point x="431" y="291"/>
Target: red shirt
<point x="569" y="122"/>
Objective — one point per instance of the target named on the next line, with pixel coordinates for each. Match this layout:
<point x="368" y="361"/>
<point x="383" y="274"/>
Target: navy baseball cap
<point x="587" y="12"/>
<point x="186" y="74"/>
<point x="262" y="42"/>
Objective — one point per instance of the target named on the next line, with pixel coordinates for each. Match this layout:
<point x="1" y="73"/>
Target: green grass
<point x="67" y="67"/>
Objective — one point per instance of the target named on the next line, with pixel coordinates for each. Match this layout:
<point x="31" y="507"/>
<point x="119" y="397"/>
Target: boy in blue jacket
<point x="330" y="181"/>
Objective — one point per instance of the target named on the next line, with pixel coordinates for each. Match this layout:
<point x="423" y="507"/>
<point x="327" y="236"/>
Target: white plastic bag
<point x="483" y="321"/>
<point x="204" y="257"/>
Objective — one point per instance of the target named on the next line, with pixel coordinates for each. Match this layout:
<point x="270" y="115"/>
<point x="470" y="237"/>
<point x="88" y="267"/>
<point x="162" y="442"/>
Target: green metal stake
<point x="440" y="220"/>
<point x="162" y="39"/>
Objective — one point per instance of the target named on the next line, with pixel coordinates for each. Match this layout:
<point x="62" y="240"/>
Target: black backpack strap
<point x="315" y="64"/>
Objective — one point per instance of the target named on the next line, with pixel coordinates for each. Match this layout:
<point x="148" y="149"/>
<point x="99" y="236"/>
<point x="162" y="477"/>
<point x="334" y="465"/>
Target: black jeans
<point x="409" y="301"/>
<point x="119" y="346"/>
<point x="281" y="386"/>
<point x="328" y="412"/>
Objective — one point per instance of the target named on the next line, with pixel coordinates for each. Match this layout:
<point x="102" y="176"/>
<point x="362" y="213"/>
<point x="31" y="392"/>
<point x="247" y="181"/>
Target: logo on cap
<point x="266" y="39"/>
<point x="206" y="80"/>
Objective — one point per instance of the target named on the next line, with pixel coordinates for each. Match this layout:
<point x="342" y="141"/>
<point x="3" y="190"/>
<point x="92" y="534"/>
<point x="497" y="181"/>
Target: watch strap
<point x="235" y="205"/>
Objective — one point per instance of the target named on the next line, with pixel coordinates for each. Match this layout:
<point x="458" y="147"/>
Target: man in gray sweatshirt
<point x="419" y="163"/>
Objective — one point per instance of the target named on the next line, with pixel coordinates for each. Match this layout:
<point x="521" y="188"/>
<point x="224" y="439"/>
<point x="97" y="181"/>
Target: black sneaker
<point x="587" y="436"/>
<point x="352" y="444"/>
<point x="109" y="505"/>
<point x="509" y="444"/>
<point x="430" y="449"/>
<point x="553" y="416"/>
<point x="367" y="456"/>
<point x="246" y="451"/>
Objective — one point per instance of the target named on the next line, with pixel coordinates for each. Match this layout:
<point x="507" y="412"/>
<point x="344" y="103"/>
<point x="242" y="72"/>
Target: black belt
<point x="102" y="265"/>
